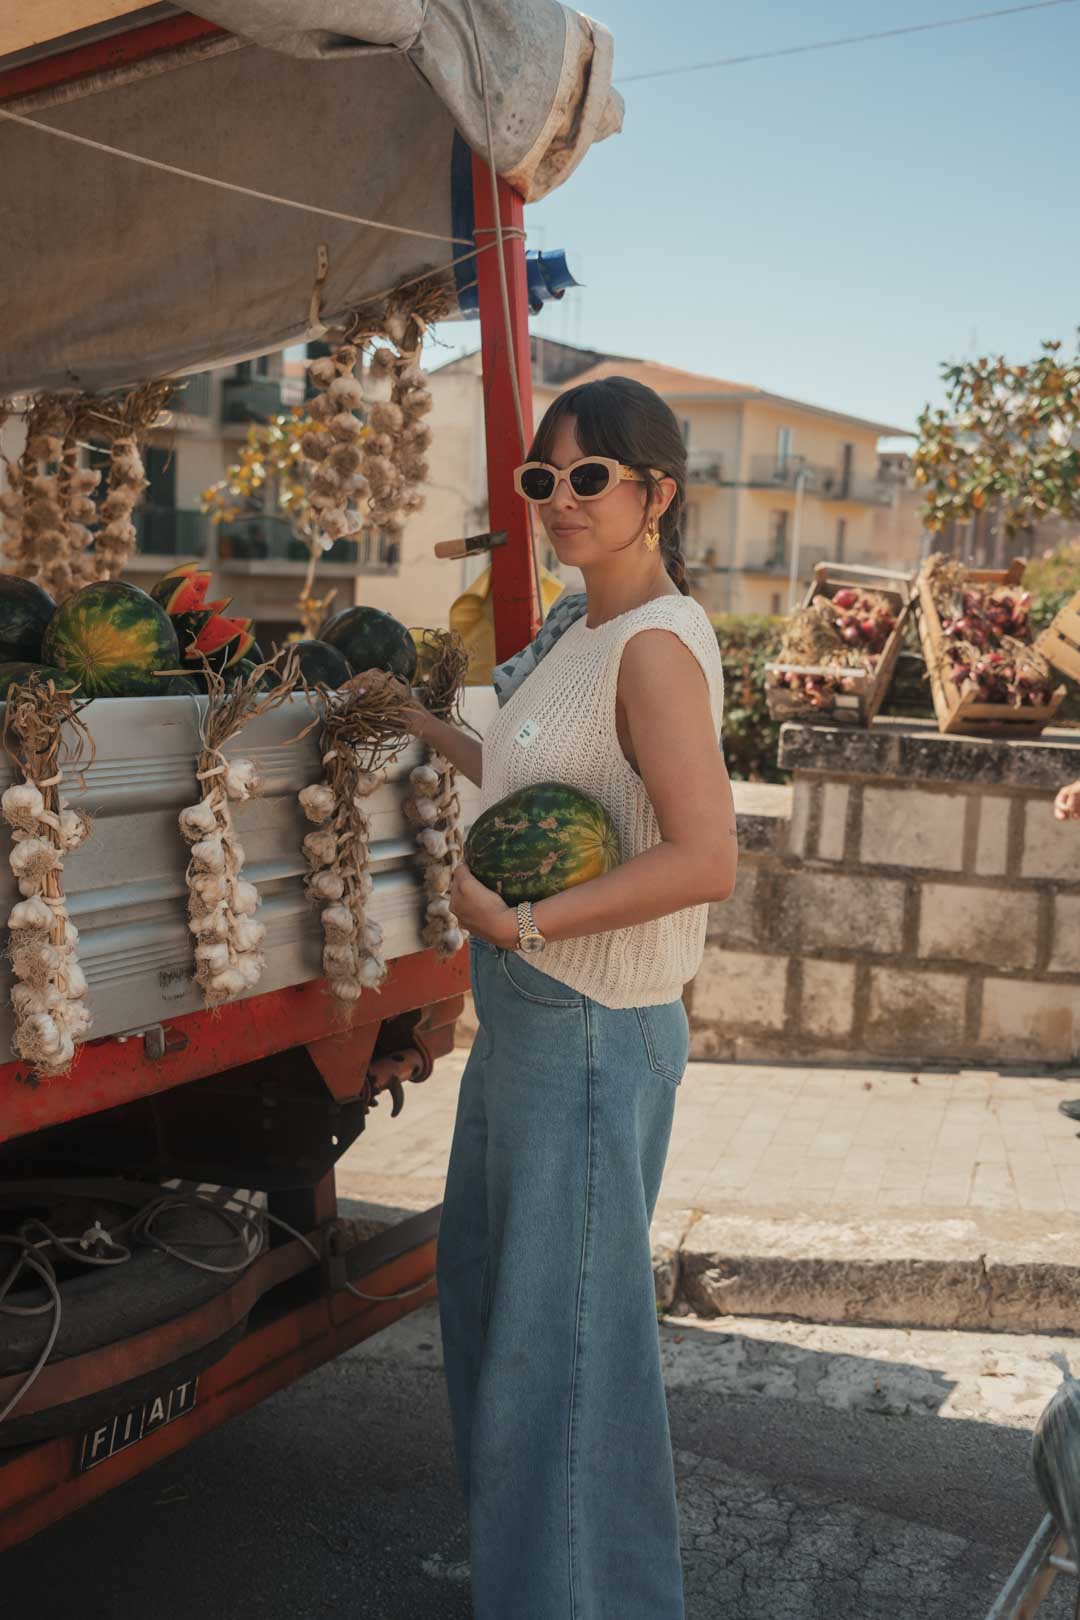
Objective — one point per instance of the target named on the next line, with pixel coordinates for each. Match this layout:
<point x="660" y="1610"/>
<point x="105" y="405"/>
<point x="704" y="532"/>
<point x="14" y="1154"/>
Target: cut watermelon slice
<point x="183" y="590"/>
<point x="222" y="641"/>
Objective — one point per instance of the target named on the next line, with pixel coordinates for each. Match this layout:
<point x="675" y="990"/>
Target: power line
<point x="849" y="39"/>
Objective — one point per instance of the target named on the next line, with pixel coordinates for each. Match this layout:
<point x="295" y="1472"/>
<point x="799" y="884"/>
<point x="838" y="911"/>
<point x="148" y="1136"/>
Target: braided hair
<point x="621" y="418"/>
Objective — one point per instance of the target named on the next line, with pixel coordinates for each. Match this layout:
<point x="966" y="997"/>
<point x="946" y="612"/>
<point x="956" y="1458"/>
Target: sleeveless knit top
<point x="558" y="725"/>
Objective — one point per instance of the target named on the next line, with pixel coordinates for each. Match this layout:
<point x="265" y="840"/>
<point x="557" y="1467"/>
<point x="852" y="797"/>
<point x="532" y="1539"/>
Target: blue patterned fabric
<point x="507" y="677"/>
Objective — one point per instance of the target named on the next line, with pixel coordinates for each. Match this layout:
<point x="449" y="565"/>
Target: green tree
<point x="1006" y="438"/>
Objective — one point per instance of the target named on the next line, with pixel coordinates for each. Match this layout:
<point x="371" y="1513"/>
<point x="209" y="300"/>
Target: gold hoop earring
<point x="652" y="537"/>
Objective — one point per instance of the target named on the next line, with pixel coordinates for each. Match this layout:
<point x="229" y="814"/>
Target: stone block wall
<point x="911" y="898"/>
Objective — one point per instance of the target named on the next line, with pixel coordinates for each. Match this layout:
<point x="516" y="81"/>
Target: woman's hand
<point x="483" y="912"/>
<point x="1067" y="803"/>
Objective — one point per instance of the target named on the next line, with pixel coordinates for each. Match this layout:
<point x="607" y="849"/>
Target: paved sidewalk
<point x="934" y="1199"/>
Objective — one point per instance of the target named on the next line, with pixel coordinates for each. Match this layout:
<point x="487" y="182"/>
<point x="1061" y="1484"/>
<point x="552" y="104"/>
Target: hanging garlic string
<point x="432" y="805"/>
<point x="48" y="997"/>
<point x="35" y="539"/>
<point x="221" y="903"/>
<point x="395" y="451"/>
<point x="54" y="532"/>
<point x="331" y="449"/>
<point x="364" y="723"/>
<point x="434" y="809"/>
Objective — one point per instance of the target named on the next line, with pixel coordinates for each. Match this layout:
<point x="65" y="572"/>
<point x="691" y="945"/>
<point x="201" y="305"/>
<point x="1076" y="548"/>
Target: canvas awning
<point x="113" y="271"/>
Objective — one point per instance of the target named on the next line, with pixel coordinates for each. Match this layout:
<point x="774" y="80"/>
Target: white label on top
<point x="528" y="734"/>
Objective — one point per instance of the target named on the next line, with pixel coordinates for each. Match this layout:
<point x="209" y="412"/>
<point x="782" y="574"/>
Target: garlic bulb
<point x="197" y="820"/>
<point x="209" y="854"/>
<point x="317" y="802"/>
<point x="242" y="779"/>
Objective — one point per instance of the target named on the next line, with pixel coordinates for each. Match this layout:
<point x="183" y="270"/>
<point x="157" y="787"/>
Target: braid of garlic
<point x="434" y="809"/>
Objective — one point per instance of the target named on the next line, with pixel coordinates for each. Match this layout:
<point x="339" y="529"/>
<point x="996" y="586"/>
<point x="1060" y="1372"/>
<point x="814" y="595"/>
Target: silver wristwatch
<point x="529" y="936"/>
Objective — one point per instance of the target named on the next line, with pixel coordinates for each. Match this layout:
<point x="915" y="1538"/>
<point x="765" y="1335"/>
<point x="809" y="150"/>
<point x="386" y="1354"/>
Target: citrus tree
<point x="1006" y="438"/>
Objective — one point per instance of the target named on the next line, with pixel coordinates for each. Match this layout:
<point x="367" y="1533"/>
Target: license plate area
<point x="134" y="1423"/>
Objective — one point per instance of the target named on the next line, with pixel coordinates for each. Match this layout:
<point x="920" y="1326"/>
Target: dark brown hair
<point x="618" y="417"/>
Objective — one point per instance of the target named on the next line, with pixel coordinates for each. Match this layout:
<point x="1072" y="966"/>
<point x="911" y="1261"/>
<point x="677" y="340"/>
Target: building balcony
<point x="827" y="483"/>
<point x="258" y="399"/>
<point x="194" y="396"/>
<point x="261" y="544"/>
<point x="705" y="467"/>
<point x="774" y="557"/>
<point x="763" y="557"/>
<point x="169" y="532"/>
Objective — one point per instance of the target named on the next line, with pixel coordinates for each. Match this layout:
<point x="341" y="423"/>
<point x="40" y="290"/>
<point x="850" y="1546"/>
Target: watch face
<point x="533" y="945"/>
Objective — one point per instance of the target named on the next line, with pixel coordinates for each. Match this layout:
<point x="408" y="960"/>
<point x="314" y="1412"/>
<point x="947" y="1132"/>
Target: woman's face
<point x="585" y="533"/>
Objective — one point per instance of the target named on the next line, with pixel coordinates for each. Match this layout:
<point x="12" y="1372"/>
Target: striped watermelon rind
<point x="25" y="612"/>
<point x="541" y="840"/>
<point x="320" y="664"/>
<point x="112" y="638"/>
<point x="19" y="671"/>
<point x="184" y="589"/>
<point x="368" y="638"/>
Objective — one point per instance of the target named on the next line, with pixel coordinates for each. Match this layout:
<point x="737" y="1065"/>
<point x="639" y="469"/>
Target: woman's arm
<point x="672" y="738"/>
<point x="465" y="753"/>
<point x="1067" y="803"/>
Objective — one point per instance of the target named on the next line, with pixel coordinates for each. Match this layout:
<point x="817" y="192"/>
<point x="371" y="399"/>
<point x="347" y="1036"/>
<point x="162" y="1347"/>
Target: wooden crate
<point x="958" y="709"/>
<point x="856" y="708"/>
<point x="1059" y="643"/>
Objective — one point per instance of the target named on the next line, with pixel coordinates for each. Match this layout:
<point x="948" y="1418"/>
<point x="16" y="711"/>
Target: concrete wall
<point x="919" y="904"/>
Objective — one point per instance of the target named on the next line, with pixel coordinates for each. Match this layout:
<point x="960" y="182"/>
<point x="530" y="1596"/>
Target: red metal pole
<point x="514" y="587"/>
<point x="110" y="55"/>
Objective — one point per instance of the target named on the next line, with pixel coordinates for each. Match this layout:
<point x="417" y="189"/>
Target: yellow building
<point x="776" y="485"/>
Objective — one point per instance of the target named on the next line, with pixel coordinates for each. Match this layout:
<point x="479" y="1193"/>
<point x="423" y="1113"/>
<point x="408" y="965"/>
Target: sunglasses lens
<point x="537" y="484"/>
<point x="591" y="478"/>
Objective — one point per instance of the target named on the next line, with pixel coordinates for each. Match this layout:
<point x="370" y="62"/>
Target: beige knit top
<point x="559" y="726"/>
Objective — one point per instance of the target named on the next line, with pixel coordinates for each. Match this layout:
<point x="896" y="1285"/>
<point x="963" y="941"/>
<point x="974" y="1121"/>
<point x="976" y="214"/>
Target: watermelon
<point x="178" y="686"/>
<point x="21" y="671"/>
<point x="113" y="638"/>
<point x="25" y="610"/>
<point x="370" y="639"/>
<point x="243" y="667"/>
<point x="541" y="840"/>
<point x="183" y="589"/>
<point x="222" y="641"/>
<point x="188" y="626"/>
<point x="321" y="664"/>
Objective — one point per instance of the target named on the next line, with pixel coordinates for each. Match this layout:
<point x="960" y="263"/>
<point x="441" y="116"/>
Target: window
<point x="778" y="533"/>
<point x="774" y="603"/>
<point x="784" y="442"/>
<point x="841" y="538"/>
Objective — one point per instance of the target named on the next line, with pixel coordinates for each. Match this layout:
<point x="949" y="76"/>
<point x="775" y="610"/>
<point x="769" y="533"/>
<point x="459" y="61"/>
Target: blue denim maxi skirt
<point x="547" y="1303"/>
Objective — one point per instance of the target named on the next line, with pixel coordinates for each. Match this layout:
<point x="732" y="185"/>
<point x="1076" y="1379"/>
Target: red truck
<point x="181" y="1176"/>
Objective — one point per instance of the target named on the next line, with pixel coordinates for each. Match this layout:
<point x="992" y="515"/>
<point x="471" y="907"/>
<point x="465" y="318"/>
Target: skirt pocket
<point x="666" y="1033"/>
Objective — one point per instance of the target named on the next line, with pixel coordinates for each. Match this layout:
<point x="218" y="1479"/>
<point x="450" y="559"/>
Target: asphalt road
<point x="819" y="1478"/>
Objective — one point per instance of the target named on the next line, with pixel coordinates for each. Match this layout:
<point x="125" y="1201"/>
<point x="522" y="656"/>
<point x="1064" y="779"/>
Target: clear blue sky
<point x="831" y="226"/>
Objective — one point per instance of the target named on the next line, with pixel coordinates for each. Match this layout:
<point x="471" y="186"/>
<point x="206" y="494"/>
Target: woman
<point x="544" y="1270"/>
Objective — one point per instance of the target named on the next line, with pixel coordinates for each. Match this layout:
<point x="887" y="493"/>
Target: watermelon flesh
<point x="183" y="590"/>
<point x="541" y="840"/>
<point x="221" y="635"/>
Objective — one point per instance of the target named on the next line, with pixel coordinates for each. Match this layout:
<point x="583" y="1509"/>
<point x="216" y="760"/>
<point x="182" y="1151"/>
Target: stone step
<point x="1010" y="1273"/>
